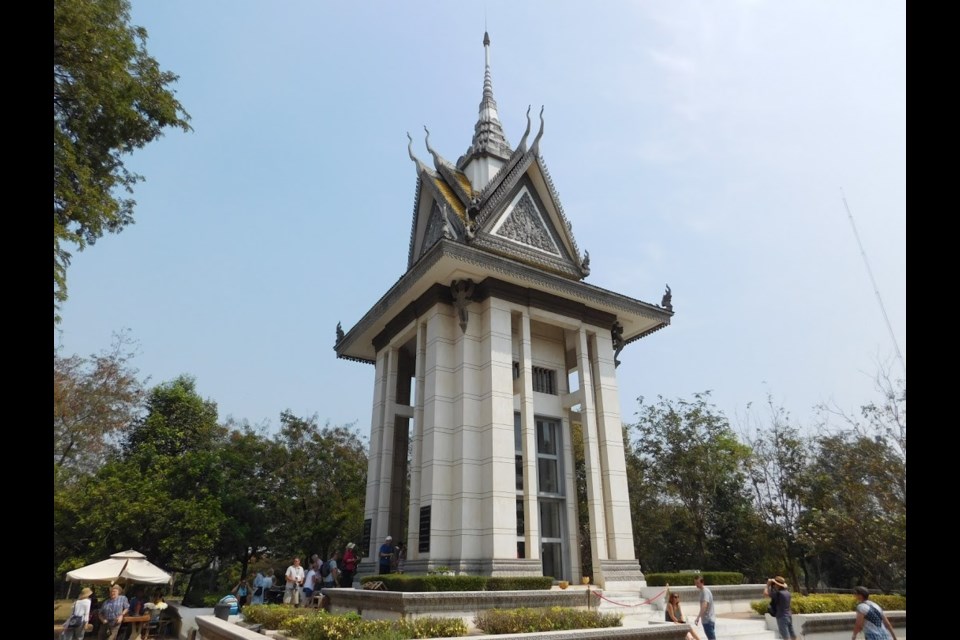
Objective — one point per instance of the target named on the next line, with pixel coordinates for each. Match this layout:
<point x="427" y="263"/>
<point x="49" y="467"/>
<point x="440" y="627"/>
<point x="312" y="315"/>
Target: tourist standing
<point x="707" y="615"/>
<point x="780" y="598"/>
<point x="294" y="577"/>
<point x="386" y="555"/>
<point x="81" y="607"/>
<point x="111" y="614"/>
<point x="257" y="597"/>
<point x="309" y="584"/>
<point x="870" y="618"/>
<point x="332" y="578"/>
<point x="400" y="557"/>
<point x="349" y="570"/>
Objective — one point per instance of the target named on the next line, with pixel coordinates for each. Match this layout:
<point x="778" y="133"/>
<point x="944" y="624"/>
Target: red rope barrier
<point x="620" y="604"/>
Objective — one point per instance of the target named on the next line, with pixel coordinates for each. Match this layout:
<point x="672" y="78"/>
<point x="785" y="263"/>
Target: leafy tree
<point x="109" y="98"/>
<point x="249" y="458"/>
<point x="95" y="400"/>
<point x="320" y="484"/>
<point x="694" y="461"/>
<point x="777" y="470"/>
<point x="858" y="492"/>
<point x="159" y="494"/>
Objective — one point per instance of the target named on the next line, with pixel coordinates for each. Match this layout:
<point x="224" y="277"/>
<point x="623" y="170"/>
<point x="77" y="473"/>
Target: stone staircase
<point x="733" y="627"/>
<point x="629" y="604"/>
<point x="730" y="628"/>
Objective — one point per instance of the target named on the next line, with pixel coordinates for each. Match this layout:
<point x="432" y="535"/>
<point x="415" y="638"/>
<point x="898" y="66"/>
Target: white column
<point x="413" y="517"/>
<point x="616" y="494"/>
<point x="591" y="451"/>
<point x="499" y="534"/>
<point x="372" y="501"/>
<point x="382" y="524"/>
<point x="528" y="434"/>
<point x="438" y="425"/>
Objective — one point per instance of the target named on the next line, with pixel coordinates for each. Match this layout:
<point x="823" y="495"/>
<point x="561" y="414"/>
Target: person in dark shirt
<point x="386" y="555"/>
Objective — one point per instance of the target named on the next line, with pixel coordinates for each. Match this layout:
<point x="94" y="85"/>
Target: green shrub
<point x="409" y="582"/>
<point x="272" y="616"/>
<point x="526" y="620"/>
<point x="518" y="583"/>
<point x="832" y="603"/>
<point x="325" y="626"/>
<point x="686" y="579"/>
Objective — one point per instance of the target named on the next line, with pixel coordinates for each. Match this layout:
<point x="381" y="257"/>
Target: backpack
<point x="325" y="569"/>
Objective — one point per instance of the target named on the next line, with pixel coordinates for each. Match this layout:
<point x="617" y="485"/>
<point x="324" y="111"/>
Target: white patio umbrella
<point x="126" y="567"/>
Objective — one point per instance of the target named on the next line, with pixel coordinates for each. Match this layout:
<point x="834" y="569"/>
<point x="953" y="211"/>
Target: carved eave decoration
<point x="447" y="261"/>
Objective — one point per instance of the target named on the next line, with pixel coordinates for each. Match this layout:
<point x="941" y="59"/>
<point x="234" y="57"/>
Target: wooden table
<point x="137" y="625"/>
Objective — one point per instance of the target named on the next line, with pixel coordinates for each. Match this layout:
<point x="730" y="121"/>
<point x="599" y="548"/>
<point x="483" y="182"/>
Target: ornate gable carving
<point x="523" y="223"/>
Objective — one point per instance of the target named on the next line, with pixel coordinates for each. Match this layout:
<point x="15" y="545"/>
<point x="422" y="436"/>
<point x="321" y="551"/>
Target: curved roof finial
<point x="523" y="141"/>
<point x="436" y="156"/>
<point x="420" y="165"/>
<point x="536" y="141"/>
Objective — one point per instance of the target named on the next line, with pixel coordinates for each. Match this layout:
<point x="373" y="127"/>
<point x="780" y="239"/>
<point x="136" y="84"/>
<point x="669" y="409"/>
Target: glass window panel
<point x="519" y="474"/>
<point x="517" y="436"/>
<point x="546" y="438"/>
<point x="520" y="520"/>
<point x="549" y="481"/>
<point x="553" y="560"/>
<point x="549" y="519"/>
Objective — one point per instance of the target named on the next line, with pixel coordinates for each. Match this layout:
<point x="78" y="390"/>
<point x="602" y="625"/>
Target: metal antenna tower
<point x="873" y="282"/>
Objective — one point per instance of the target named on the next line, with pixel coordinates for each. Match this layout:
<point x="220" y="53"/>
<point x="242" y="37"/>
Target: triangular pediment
<point x="438" y="213"/>
<point x="523" y="222"/>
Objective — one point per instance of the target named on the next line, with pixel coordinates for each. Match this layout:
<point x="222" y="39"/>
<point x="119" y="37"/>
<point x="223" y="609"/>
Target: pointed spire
<point x="488" y="134"/>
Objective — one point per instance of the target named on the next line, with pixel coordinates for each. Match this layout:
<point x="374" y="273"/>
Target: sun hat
<point x="389" y="538"/>
<point x="86" y="592"/>
<point x="780" y="582"/>
<point x="350" y="545"/>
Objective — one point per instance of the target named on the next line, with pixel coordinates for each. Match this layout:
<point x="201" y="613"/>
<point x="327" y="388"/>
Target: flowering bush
<point x="526" y="620"/>
<point x="351" y="627"/>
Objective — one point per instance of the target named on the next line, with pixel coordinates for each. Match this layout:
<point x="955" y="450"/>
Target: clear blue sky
<point x="700" y="144"/>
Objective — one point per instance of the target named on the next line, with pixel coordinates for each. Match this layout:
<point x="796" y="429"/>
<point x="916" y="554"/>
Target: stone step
<point x="732" y="628"/>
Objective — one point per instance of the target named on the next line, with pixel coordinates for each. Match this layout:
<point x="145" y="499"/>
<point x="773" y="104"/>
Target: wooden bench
<point x="374" y="585"/>
<point x="58" y="629"/>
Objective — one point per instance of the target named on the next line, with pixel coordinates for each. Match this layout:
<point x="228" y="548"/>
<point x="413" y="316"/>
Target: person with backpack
<point x="331" y="578"/>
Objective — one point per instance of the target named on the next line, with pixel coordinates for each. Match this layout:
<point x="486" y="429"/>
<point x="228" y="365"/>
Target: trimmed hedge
<point x="431" y="583"/>
<point x="317" y="624"/>
<point x="686" y="579"/>
<point x="526" y="620"/>
<point x="832" y="603"/>
<point x="350" y="626"/>
<point x="518" y="583"/>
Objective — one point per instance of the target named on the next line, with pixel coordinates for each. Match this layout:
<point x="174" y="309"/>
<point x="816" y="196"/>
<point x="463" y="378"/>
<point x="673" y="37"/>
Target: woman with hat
<point x="81" y="608"/>
<point x="779" y="595"/>
<point x="349" y="570"/>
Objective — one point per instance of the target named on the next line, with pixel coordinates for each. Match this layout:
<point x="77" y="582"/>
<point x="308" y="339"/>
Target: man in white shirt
<point x="294" y="577"/>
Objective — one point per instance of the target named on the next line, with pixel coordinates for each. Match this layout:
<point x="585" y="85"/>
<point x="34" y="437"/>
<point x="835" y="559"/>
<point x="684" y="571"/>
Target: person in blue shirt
<point x="111" y="614"/>
<point x="386" y="555"/>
